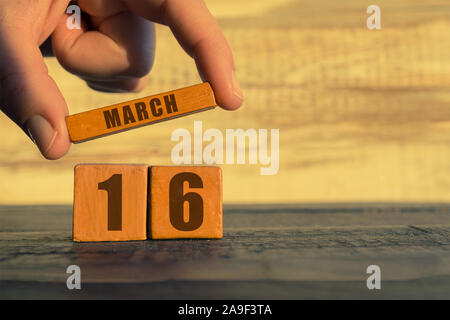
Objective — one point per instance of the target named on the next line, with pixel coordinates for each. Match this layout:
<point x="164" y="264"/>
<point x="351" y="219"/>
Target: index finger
<point x="201" y="37"/>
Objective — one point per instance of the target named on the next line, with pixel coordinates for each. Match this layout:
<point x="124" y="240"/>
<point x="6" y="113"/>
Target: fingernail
<point x="41" y="132"/>
<point x="236" y="86"/>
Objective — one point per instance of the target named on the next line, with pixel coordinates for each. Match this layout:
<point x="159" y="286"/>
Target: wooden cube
<point x="108" y="120"/>
<point x="185" y="202"/>
<point x="110" y="202"/>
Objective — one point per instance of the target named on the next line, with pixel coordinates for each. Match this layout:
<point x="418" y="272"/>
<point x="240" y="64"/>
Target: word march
<point x="127" y="115"/>
<point x="113" y="118"/>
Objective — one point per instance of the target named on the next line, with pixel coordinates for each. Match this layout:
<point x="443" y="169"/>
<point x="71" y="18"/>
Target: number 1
<point x="114" y="188"/>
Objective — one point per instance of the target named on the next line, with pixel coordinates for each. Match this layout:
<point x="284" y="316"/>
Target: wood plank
<point x="429" y="288"/>
<point x="136" y="113"/>
<point x="59" y="217"/>
<point x="308" y="252"/>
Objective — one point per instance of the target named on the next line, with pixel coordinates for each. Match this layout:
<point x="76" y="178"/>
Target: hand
<point x="113" y="51"/>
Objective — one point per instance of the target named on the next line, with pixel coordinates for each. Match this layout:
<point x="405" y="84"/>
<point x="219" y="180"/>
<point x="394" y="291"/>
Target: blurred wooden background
<point x="363" y="115"/>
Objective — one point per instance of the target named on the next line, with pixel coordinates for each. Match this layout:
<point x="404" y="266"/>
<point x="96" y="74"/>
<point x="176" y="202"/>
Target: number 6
<point x="177" y="199"/>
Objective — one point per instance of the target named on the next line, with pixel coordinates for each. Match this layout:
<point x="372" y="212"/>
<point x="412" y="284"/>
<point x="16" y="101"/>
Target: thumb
<point x="30" y="97"/>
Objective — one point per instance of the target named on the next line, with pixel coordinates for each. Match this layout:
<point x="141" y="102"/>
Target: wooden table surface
<point x="268" y="252"/>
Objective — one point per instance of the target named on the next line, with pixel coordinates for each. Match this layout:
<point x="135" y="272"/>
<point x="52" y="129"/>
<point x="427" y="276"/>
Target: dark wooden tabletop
<point x="268" y="252"/>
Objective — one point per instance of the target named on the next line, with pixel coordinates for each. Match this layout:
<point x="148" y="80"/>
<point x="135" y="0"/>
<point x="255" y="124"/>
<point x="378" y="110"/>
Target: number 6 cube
<point x="185" y="202"/>
<point x="110" y="202"/>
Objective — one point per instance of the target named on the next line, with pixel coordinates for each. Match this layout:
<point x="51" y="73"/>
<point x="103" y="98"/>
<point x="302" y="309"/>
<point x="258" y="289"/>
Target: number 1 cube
<point x="110" y="202"/>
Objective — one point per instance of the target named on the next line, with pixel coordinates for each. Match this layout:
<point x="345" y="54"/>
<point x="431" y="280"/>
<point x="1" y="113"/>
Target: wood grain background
<point x="363" y="115"/>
